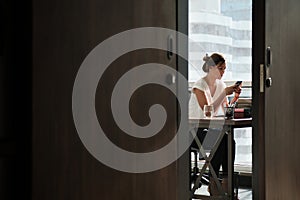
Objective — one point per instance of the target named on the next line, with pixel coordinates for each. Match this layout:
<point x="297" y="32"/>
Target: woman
<point x="210" y="90"/>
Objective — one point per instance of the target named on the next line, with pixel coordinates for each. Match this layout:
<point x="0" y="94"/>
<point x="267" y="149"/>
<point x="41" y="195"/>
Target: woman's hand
<point x="233" y="88"/>
<point x="230" y="89"/>
<point x="237" y="91"/>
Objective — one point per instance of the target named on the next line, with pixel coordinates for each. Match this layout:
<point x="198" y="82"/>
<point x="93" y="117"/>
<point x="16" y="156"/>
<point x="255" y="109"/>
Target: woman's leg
<point x="220" y="155"/>
<point x="225" y="160"/>
<point x="225" y="164"/>
<point x="221" y="159"/>
<point x="201" y="133"/>
<point x="217" y="161"/>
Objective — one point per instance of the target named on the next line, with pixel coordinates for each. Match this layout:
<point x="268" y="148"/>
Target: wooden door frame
<point x="258" y="100"/>
<point x="182" y="67"/>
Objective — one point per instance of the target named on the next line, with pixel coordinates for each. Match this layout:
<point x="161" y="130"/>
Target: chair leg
<point x="196" y="169"/>
<point x="237" y="178"/>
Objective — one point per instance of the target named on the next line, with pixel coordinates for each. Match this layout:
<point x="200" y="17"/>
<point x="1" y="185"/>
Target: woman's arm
<point x="237" y="91"/>
<point x="202" y="100"/>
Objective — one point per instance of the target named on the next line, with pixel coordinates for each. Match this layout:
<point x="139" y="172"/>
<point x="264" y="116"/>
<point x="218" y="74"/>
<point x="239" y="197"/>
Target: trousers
<point x="208" y="138"/>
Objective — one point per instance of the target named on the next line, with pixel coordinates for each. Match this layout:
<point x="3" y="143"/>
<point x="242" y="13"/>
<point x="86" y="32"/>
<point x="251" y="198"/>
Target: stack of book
<point x="243" y="108"/>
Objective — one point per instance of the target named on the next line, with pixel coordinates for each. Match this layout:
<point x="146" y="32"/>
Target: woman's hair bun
<point x="205" y="66"/>
<point x="206" y="58"/>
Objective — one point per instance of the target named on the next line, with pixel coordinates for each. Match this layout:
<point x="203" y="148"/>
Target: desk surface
<point x="206" y="122"/>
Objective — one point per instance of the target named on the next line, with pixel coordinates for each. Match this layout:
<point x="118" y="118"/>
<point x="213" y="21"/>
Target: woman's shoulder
<point x="200" y="81"/>
<point x="200" y="84"/>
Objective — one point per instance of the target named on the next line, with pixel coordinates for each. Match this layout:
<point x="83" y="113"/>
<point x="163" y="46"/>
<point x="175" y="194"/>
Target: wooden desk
<point x="227" y="126"/>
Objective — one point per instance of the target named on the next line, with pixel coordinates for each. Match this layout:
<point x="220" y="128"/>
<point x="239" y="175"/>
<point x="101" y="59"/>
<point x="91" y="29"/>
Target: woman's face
<point x="218" y="70"/>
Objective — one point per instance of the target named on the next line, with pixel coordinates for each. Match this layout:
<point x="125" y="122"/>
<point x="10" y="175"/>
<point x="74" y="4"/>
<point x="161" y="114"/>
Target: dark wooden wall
<point x="282" y="101"/>
<point x="282" y="147"/>
<point x="15" y="100"/>
<point x="64" y="32"/>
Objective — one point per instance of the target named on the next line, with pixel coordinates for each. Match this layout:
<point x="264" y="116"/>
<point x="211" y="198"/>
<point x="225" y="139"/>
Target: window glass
<point x="223" y="26"/>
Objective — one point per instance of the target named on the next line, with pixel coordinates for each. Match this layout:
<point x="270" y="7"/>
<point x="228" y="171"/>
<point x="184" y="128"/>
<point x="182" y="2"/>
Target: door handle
<point x="261" y="78"/>
<point x="170" y="47"/>
<point x="269" y="56"/>
<point x="268" y="81"/>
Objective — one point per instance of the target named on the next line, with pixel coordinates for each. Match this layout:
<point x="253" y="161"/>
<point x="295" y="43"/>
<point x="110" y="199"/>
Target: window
<point x="223" y="26"/>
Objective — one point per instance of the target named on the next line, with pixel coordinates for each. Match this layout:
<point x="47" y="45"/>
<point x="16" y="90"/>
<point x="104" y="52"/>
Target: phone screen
<point x="238" y="83"/>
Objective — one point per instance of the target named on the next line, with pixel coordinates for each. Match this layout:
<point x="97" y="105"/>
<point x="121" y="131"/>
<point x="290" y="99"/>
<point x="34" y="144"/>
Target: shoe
<point x="235" y="197"/>
<point x="213" y="188"/>
<point x="225" y="188"/>
<point x="225" y="185"/>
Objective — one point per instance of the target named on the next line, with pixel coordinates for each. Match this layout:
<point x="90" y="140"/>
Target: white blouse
<point x="195" y="110"/>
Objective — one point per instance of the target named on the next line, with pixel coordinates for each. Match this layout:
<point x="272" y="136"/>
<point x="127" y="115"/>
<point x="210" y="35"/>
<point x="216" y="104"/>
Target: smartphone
<point x="238" y="83"/>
